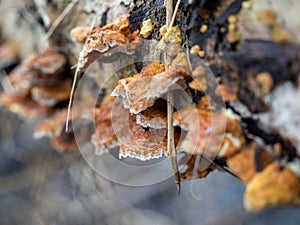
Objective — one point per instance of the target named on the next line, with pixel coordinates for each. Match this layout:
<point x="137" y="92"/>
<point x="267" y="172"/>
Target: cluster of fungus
<point x="37" y="85"/>
<point x="134" y="116"/>
<point x="139" y="101"/>
<point x="101" y="41"/>
<point x="38" y="89"/>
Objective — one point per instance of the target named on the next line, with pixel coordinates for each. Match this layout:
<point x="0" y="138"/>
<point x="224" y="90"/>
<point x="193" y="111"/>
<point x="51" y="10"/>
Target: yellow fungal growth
<point x="147" y="28"/>
<point x="173" y="35"/>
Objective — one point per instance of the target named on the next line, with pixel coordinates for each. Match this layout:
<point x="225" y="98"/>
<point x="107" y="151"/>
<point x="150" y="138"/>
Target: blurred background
<point x="39" y="185"/>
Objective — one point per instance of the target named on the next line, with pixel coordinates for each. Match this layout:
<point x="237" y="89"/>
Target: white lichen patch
<point x="285" y="113"/>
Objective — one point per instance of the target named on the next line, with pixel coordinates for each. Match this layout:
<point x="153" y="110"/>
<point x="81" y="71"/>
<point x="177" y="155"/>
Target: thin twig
<point x="225" y="169"/>
<point x="171" y="142"/>
<point x="186" y="46"/>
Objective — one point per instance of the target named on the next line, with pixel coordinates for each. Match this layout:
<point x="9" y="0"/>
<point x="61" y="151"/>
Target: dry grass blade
<point x="71" y="98"/>
<point x="43" y="14"/>
<point x="76" y="74"/>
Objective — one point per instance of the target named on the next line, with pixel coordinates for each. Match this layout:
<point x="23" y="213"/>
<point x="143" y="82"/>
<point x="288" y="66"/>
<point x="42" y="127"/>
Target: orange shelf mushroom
<point x="101" y="41"/>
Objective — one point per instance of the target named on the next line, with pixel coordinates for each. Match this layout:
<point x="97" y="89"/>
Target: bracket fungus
<point x="140" y="91"/>
<point x="152" y="117"/>
<point x="206" y="134"/>
<point x="274" y="186"/>
<point x="141" y="143"/>
<point x="24" y="107"/>
<point x="62" y="140"/>
<point x="251" y="160"/>
<point x="39" y="83"/>
<point x="104" y="137"/>
<point x="101" y="41"/>
<point x="115" y="126"/>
